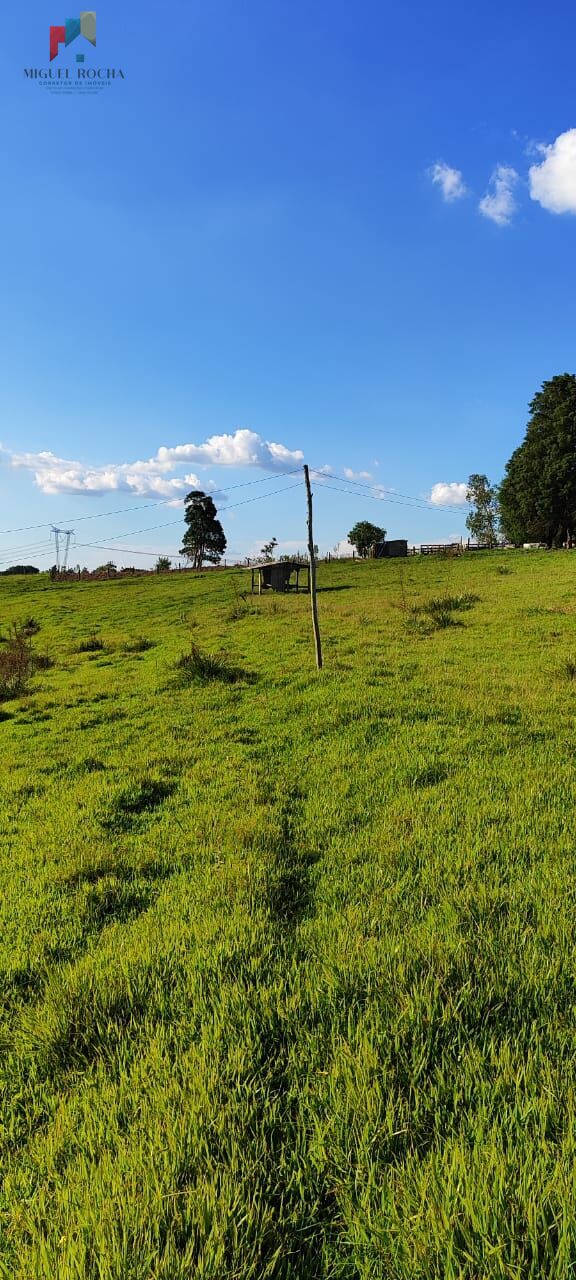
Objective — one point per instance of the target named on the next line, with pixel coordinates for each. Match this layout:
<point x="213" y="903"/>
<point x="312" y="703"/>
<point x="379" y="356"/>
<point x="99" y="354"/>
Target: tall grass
<point x="286" y="970"/>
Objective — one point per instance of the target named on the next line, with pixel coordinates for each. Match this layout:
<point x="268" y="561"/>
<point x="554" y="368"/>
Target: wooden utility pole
<point x="315" y="626"/>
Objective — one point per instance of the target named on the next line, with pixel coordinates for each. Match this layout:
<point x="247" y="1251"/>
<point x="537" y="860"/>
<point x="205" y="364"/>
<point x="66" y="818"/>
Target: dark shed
<point x="277" y="575"/>
<point x="390" y="550"/>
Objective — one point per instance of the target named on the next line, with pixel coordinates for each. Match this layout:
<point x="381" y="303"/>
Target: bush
<point x="30" y="627"/>
<point x="419" y="624"/>
<point x="18" y="663"/>
<point x="139" y="645"/>
<point x="242" y="608"/>
<point x="196" y="667"/>
<point x="43" y="662"/>
<point x="436" y="613"/>
<point x="443" y="618"/>
<point x="449" y="604"/>
<point x="93" y="644"/>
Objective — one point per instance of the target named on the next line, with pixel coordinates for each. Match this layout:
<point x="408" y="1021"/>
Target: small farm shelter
<point x="390" y="550"/>
<point x="277" y="576"/>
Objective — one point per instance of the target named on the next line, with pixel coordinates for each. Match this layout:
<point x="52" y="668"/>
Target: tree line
<point x="536" y="500"/>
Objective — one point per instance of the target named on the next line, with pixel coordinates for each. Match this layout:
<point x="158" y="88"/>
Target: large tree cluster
<point x="538" y="493"/>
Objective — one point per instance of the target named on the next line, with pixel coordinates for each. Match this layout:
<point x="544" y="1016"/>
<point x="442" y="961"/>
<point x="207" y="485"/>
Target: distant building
<point x="390" y="550"/>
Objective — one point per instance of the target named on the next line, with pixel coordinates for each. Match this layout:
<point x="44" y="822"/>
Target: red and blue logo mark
<point x="85" y="26"/>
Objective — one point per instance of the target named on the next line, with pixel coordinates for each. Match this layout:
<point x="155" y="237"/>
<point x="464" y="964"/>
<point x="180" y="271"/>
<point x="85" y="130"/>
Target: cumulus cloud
<point x="154" y="477"/>
<point x="499" y="203"/>
<point x="54" y="475"/>
<point x="242" y="449"/>
<point x="553" y="180"/>
<point x="448" y="494"/>
<point x="449" y="180"/>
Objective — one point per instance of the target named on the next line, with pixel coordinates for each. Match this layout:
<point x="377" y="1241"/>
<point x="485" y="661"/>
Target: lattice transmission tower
<point x="62" y="539"/>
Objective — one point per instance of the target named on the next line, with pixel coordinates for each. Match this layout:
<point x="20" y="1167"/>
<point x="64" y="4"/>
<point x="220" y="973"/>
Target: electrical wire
<point x="20" y="553"/>
<point x="101" y="515"/>
<point x="379" y="490"/>
<point x="10" y="552"/>
<point x="147" y="506"/>
<point x="129" y="551"/>
<point x="132" y="533"/>
<point x="376" y="492"/>
<point x="413" y="503"/>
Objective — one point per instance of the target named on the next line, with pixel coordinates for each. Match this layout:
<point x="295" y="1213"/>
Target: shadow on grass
<point x="288" y="885"/>
<point x="135" y="804"/>
<point x="123" y="871"/>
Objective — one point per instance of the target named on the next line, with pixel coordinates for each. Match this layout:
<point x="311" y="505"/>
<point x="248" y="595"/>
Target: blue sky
<point x="277" y="225"/>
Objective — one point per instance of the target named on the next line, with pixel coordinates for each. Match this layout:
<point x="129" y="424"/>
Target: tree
<point x="364" y="535"/>
<point x="483" y="519"/>
<point x="267" y="552"/>
<point x="163" y="564"/>
<point x="538" y="492"/>
<point x="21" y="569"/>
<point x="204" y="538"/>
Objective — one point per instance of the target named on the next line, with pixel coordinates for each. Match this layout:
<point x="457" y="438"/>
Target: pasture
<point x="287" y="958"/>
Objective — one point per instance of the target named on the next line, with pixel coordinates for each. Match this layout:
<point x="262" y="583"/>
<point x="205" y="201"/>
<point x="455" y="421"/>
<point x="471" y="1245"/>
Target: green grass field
<point x="287" y="958"/>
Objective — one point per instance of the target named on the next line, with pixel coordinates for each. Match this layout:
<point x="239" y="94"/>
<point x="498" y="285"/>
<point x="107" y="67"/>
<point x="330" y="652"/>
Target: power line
<point x="422" y="503"/>
<point x="379" y="490"/>
<point x="12" y="551"/>
<point x="129" y="551"/>
<point x="171" y="523"/>
<point x="371" y="491"/>
<point x="413" y="503"/>
<point x="102" y="515"/>
<point x="35" y="548"/>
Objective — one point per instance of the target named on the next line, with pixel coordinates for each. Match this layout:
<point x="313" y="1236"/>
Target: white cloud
<point x="243" y="449"/>
<point x="357" y="475"/>
<point x="533" y="149"/>
<point x="448" y="494"/>
<point x="154" y="477"/>
<point x="449" y="180"/>
<point x="54" y="475"/>
<point x="553" y="181"/>
<point x="499" y="203"/>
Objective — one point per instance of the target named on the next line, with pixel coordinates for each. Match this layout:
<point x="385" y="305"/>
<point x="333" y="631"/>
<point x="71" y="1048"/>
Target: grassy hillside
<point x="287" y="959"/>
